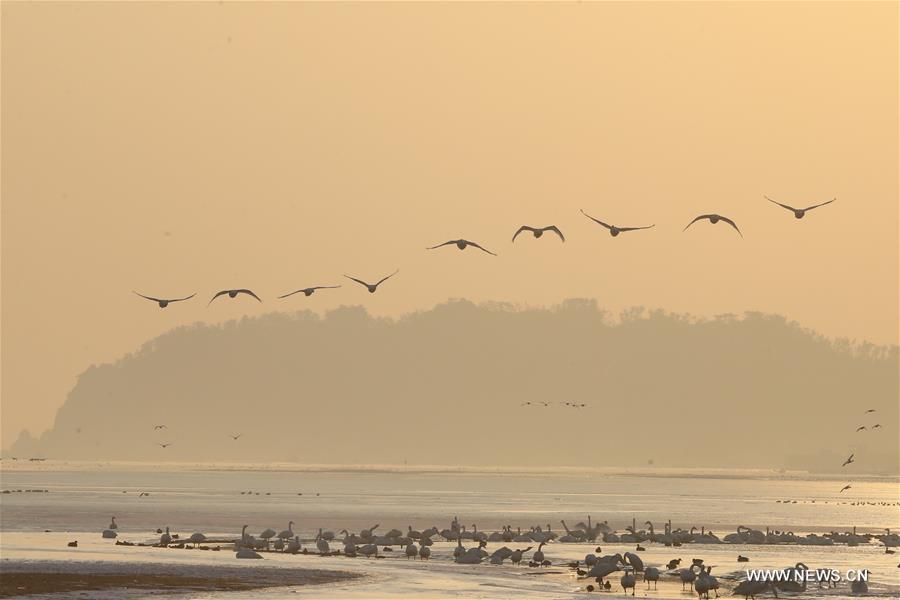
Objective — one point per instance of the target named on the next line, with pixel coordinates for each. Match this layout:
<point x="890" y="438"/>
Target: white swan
<point x="321" y="545"/>
<point x="289" y="532"/>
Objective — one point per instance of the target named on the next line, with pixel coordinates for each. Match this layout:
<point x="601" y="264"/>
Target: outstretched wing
<point x="636" y="228"/>
<point x="291" y="294"/>
<point x="147" y="297"/>
<point x="556" y="230"/>
<point x="700" y="218"/>
<point x="818" y="205"/>
<point x="598" y="221"/>
<point x="483" y="249"/>
<point x="249" y="293"/>
<point x="730" y="222"/>
<point x="216" y="296"/>
<point x="185" y="298"/>
<point x="520" y="230"/>
<point x="359" y="281"/>
<point x="447" y="243"/>
<point x="323" y="287"/>
<point x="780" y="204"/>
<point x="383" y="279"/>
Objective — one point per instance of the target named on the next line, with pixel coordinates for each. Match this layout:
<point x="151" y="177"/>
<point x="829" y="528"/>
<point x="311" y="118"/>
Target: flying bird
<point x="714" y="218"/>
<point x="871" y="410"/>
<point x="799" y="213"/>
<point x="539" y="231"/>
<point x="159" y="427"/>
<point x="164" y="445"/>
<point x="164" y="302"/>
<point x="235" y="437"/>
<point x="846" y="487"/>
<point x="462" y="245"/>
<point x="860" y="428"/>
<point x="848" y="461"/>
<point x="233" y="294"/>
<point x="613" y="230"/>
<point x="372" y="287"/>
<point x="310" y="290"/>
<point x="876" y="426"/>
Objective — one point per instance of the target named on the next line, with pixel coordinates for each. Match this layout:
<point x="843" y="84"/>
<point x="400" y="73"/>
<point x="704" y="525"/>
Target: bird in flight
<point x="235" y="437"/>
<point x="876" y="426"/>
<point x="462" y="245"/>
<point x="233" y="294"/>
<point x="539" y="231"/>
<point x="164" y="446"/>
<point x="846" y="487"/>
<point x="310" y="290"/>
<point x="714" y="218"/>
<point x="613" y="230"/>
<point x="164" y="302"/>
<point x="860" y="428"/>
<point x="848" y="461"/>
<point x="799" y="213"/>
<point x="372" y="286"/>
<point x="158" y="427"/>
<point x="871" y="410"/>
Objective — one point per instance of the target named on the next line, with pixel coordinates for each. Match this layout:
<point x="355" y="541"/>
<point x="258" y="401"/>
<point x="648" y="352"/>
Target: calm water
<point x="206" y="498"/>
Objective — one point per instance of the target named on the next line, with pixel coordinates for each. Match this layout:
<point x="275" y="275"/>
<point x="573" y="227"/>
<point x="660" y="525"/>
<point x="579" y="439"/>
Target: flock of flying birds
<point x="851" y="459"/>
<point x="462" y="244"/>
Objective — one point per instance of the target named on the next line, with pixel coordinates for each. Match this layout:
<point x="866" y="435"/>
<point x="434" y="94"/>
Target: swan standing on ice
<point x="165" y="539"/>
<point x="112" y="524"/>
<point x="651" y="574"/>
<point x="321" y="544"/>
<point x="516" y="556"/>
<point x="538" y="555"/>
<point x="424" y="553"/>
<point x="628" y="581"/>
<point x="289" y="532"/>
<point x="411" y="551"/>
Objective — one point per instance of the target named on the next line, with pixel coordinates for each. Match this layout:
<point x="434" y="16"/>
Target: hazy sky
<point x="179" y="148"/>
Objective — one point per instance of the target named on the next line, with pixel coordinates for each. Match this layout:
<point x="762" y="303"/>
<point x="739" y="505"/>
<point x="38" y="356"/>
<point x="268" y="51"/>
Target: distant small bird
<point x="876" y="425"/>
<point x="372" y="286"/>
<point x="310" y="290"/>
<point x="235" y="437"/>
<point x="158" y="427"/>
<point x="848" y="461"/>
<point x="799" y="213"/>
<point x="613" y="230"/>
<point x="846" y="487"/>
<point x="233" y="294"/>
<point x="164" y="445"/>
<point x="142" y="494"/>
<point x="73" y="544"/>
<point x="714" y="218"/>
<point x="539" y="231"/>
<point x="742" y="558"/>
<point x="871" y="410"/>
<point x="860" y="428"/>
<point x="462" y="245"/>
<point x="164" y="302"/>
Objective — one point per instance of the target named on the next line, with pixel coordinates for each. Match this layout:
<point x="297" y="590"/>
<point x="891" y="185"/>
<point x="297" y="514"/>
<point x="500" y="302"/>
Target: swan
<point x="539" y="231"/>
<point x="496" y="536"/>
<point x="613" y="230"/>
<point x="279" y="544"/>
<point x="516" y="556"/>
<point x="859" y="586"/>
<point x="322" y="545"/>
<point x="372" y="287"/>
<point x="289" y="532"/>
<point x="478" y="536"/>
<point x="521" y="537"/>
<point x="590" y="560"/>
<point x="712" y="583"/>
<point x="266" y="535"/>
<point x="164" y="302"/>
<point x="424" y="553"/>
<point x="628" y="581"/>
<point x="634" y="561"/>
<point x="799" y="213"/>
<point x="393" y="533"/>
<point x="112" y="524"/>
<point x="196" y="538"/>
<point x="109" y="533"/>
<point x="798" y="581"/>
<point x="366" y="534"/>
<point x="310" y="290"/>
<point x="750" y="589"/>
<point x="714" y="218"/>
<point x="651" y="574"/>
<point x="233" y="294"/>
<point x="538" y="555"/>
<point x="294" y="546"/>
<point x="688" y="576"/>
<point x="246" y="553"/>
<point x="166" y="538"/>
<point x="412" y="533"/>
<point x="369" y="550"/>
<point x="411" y="551"/>
<point x="462" y="245"/>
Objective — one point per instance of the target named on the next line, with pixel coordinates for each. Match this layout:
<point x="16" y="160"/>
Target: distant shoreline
<point x="26" y="466"/>
<point x="19" y="578"/>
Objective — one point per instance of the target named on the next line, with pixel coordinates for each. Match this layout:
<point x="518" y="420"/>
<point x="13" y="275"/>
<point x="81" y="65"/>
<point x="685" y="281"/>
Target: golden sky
<point x="178" y="148"/>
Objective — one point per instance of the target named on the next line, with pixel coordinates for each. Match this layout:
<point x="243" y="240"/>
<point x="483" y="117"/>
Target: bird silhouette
<point x="714" y="218"/>
<point x="310" y="290"/>
<point x="233" y="294"/>
<point x="158" y="427"/>
<point x="871" y="410"/>
<point x="539" y="231"/>
<point x="848" y="461"/>
<point x="372" y="286"/>
<point x="876" y="426"/>
<point x="235" y="437"/>
<point x="860" y="428"/>
<point x="799" y="213"/>
<point x="614" y="230"/>
<point x="164" y="445"/>
<point x="846" y="487"/>
<point x="164" y="302"/>
<point x="462" y="245"/>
